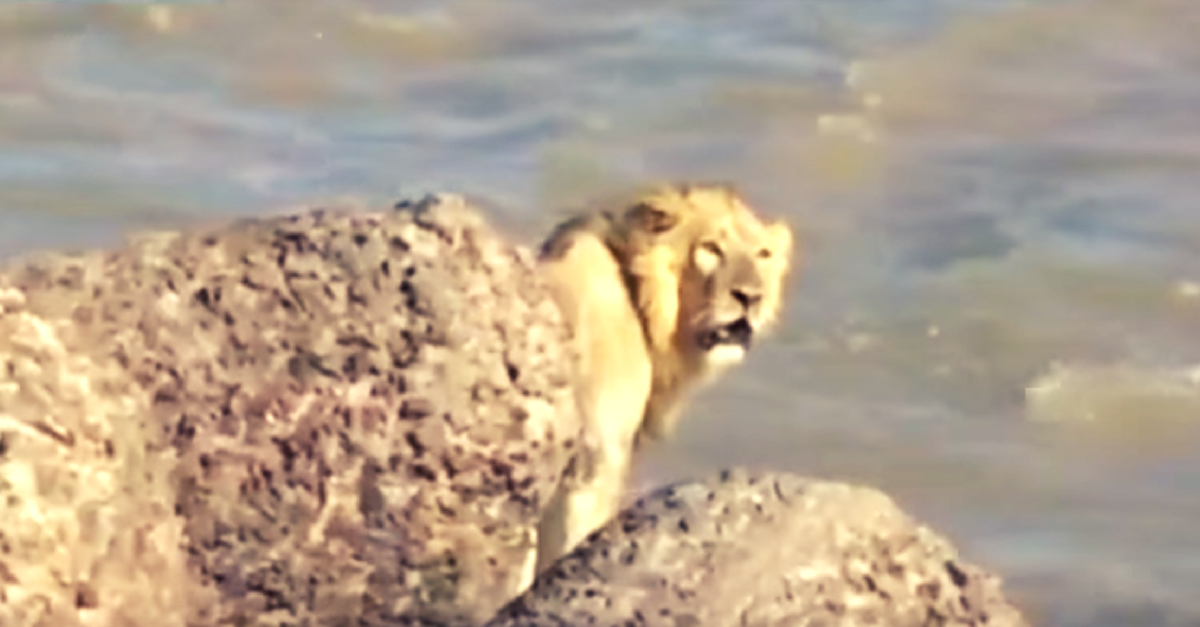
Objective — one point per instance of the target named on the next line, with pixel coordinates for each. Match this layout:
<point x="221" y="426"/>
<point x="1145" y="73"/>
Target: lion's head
<point x="706" y="272"/>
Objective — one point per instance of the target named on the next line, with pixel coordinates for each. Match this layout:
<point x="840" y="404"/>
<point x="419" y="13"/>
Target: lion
<point x="663" y="293"/>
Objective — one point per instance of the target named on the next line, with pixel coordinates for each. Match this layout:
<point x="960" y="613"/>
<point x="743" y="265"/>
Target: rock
<point x="762" y="549"/>
<point x="357" y="417"/>
<point x="88" y="532"/>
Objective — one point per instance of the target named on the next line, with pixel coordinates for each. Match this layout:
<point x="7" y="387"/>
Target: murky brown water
<point x="997" y="318"/>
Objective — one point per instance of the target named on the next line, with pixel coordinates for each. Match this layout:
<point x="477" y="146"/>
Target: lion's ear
<point x="780" y="234"/>
<point x="655" y="219"/>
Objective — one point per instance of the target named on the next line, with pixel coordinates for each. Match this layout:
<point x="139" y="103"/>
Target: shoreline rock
<point x="763" y="548"/>
<point x="356" y="415"/>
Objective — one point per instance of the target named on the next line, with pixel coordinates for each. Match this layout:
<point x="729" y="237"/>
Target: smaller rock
<point x="761" y="549"/>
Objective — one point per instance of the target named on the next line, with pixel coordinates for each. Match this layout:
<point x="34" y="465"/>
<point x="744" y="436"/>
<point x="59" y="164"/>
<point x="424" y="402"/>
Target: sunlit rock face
<point x="338" y="416"/>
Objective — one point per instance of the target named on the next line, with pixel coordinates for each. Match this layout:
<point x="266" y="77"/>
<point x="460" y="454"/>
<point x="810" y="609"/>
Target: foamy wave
<point x="1073" y="393"/>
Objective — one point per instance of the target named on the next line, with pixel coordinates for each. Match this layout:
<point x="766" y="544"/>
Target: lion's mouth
<point x="737" y="333"/>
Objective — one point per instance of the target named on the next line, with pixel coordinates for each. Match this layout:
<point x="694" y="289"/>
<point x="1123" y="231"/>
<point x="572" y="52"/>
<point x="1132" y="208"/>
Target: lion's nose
<point x="747" y="297"/>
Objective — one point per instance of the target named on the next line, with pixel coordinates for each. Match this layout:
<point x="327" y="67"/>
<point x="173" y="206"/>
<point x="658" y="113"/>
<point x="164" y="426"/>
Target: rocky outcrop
<point x="763" y="549"/>
<point x="356" y="417"/>
<point x="342" y="417"/>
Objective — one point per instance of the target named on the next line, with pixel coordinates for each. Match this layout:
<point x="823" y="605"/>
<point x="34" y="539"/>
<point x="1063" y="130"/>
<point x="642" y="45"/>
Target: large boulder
<point x="341" y="416"/>
<point x="763" y="549"/>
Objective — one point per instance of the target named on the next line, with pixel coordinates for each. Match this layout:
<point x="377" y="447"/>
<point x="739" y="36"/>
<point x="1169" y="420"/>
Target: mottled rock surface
<point x="342" y="416"/>
<point x="88" y="533"/>
<point x="763" y="549"/>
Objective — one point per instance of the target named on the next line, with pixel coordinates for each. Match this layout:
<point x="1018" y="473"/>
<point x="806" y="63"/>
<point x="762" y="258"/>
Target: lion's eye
<point x="708" y="257"/>
<point x="764" y="253"/>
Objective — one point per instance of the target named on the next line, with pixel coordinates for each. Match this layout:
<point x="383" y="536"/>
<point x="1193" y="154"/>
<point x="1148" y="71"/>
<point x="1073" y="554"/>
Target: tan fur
<point x="645" y="286"/>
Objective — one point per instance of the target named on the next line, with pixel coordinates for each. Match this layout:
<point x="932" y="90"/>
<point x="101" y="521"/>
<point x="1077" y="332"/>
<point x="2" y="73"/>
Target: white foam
<point x="1074" y="393"/>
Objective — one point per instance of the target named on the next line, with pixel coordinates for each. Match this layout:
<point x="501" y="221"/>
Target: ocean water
<point x="997" y="312"/>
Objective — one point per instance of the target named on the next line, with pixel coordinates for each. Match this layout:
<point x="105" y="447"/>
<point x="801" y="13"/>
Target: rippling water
<point x="997" y="318"/>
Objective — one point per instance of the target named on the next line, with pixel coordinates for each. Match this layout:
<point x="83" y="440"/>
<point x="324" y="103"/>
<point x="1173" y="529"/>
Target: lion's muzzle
<point x="738" y="333"/>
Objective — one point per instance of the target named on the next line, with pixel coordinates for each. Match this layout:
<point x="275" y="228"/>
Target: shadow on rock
<point x="763" y="549"/>
<point x="342" y="417"/>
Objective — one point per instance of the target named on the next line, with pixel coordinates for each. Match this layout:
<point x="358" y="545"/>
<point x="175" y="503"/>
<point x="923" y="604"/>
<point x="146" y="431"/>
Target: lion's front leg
<point x="579" y="509"/>
<point x="590" y="492"/>
<point x="588" y="497"/>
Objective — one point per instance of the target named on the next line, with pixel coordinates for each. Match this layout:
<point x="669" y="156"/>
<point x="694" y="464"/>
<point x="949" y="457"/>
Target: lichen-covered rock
<point x="763" y="549"/>
<point x="362" y="412"/>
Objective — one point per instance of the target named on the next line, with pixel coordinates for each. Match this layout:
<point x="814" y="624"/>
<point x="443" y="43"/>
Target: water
<point x="996" y="318"/>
